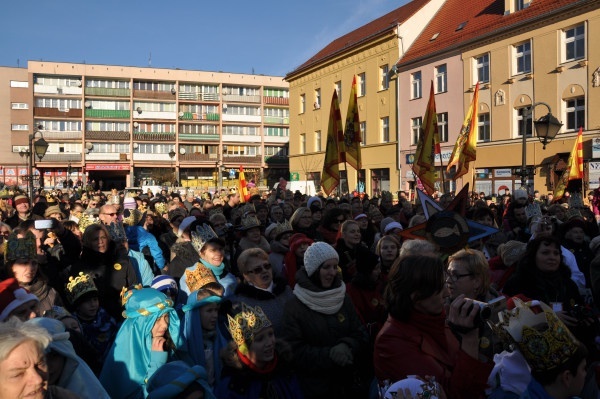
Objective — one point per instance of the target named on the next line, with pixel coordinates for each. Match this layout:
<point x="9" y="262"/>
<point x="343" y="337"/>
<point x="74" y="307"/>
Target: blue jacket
<point x="142" y="268"/>
<point x="139" y="239"/>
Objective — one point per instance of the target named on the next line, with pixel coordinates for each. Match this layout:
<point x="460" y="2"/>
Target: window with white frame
<point x="441" y="78"/>
<point x="103" y="126"/>
<point x="525" y="125"/>
<point x="363" y="133"/>
<point x="107" y="84"/>
<point x="19" y="106"/>
<point x="575" y="113"/>
<point x="277" y="131"/>
<point x="238" y="130"/>
<point x="522" y="58"/>
<point x="385" y="129"/>
<point x="242" y="150"/>
<point x="154" y="107"/>
<point x="317" y="98"/>
<point x="277" y="112"/>
<point x="276" y="92"/>
<point x="415" y="84"/>
<point x="415" y="127"/>
<point x="482" y="68"/>
<point x="60" y="126"/>
<point x="19" y="83"/>
<point x="338" y="88"/>
<point x="574" y="41"/>
<point x="384" y="71"/>
<point x="149" y="148"/>
<point x="442" y="122"/>
<point x="483" y="127"/>
<point x="302" y="103"/>
<point x="318" y="140"/>
<point x="19" y="127"/>
<point x="303" y="143"/>
<point x="62" y="103"/>
<point x="362" y="84"/>
<point x="273" y="151"/>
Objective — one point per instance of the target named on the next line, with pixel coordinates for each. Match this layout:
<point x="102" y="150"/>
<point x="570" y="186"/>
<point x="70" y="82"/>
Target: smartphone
<point x="44" y="224"/>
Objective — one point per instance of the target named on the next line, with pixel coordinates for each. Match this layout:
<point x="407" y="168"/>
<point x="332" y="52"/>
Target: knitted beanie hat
<point x="12" y="296"/>
<point x="317" y="254"/>
<point x="129" y="203"/>
<point x="511" y="251"/>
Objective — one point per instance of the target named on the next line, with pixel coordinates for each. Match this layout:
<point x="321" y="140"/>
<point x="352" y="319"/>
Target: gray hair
<point x="14" y="332"/>
<point x="417" y="247"/>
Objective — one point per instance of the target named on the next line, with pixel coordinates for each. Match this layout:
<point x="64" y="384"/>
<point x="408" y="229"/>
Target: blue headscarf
<point x="192" y="331"/>
<point x="128" y="364"/>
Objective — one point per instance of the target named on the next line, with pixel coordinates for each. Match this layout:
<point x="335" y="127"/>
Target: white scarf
<point x="326" y="302"/>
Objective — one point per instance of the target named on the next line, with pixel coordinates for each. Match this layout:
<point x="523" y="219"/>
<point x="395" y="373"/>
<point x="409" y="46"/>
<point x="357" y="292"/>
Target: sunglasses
<point x="260" y="269"/>
<point x="113" y="214"/>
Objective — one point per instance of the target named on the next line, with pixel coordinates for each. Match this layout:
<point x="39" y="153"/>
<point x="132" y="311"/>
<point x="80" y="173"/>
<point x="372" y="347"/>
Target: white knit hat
<point x="317" y="254"/>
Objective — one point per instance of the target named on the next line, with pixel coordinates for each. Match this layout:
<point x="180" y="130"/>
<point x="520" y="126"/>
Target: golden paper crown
<point x="542" y="338"/>
<point x="86" y="220"/>
<point x="161" y="208"/>
<point x="50" y="198"/>
<point x="202" y="235"/>
<point x="246" y="324"/>
<point x="283" y="227"/>
<point x="135" y="215"/>
<point x="199" y="277"/>
<point x="126" y="293"/>
<point x="78" y="286"/>
<point x="20" y="248"/>
<point x="249" y="222"/>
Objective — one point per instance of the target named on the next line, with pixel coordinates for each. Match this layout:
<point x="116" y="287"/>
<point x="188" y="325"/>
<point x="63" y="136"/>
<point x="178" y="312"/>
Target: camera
<point x="44" y="224"/>
<point x="489" y="310"/>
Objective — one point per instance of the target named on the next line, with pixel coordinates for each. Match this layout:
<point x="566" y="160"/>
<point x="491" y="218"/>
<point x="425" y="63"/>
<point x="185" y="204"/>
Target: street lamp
<point x="547" y="127"/>
<point x="39" y="148"/>
<point x="172" y="156"/>
<point x="220" y="167"/>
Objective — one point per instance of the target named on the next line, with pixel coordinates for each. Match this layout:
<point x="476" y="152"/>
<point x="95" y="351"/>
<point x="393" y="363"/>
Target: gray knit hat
<point x="317" y="254"/>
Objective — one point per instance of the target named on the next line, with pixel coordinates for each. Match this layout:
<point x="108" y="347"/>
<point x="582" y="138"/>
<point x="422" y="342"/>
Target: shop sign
<point x="596" y="148"/>
<point x="503" y="172"/>
<point x="106" y="167"/>
<point x="594" y="174"/>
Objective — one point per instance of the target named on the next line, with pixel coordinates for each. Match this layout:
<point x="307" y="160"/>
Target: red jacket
<point x="401" y="349"/>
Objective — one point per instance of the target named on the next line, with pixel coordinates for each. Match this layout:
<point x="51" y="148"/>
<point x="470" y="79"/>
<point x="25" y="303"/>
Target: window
<point x="338" y="89"/>
<point x="575" y="110"/>
<point x="317" y="98"/>
<point x="415" y="82"/>
<point x="20" y="127"/>
<point x="483" y="126"/>
<point x="277" y="131"/>
<point x="482" y="66"/>
<point x="19" y="106"/>
<point x="528" y="121"/>
<point x="442" y="121"/>
<point x="18" y="83"/>
<point x="318" y="140"/>
<point x="519" y="5"/>
<point x="363" y="133"/>
<point x="385" y="129"/>
<point x="276" y="151"/>
<point x="522" y="58"/>
<point x="415" y="126"/>
<point x="385" y="79"/>
<point x="362" y="84"/>
<point x="303" y="143"/>
<point x="302" y="103"/>
<point x="441" y="79"/>
<point x="574" y="40"/>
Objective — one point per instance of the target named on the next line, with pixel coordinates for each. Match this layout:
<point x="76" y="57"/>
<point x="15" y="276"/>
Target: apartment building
<point x="537" y="54"/>
<point x="128" y="126"/>
<point x="369" y="53"/>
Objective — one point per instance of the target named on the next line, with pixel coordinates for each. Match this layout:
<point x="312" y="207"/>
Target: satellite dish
<point x="89" y="145"/>
<point x="182" y="150"/>
<point x="135" y="145"/>
<point x="139" y="110"/>
<point x="87" y="104"/>
<point x="79" y="83"/>
<point x="173" y="91"/>
<point x="135" y="124"/>
<point x="180" y="113"/>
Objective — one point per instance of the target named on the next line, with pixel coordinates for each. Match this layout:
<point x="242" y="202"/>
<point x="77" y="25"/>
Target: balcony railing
<point x="197" y="96"/>
<point x="197" y="157"/>
<point x="277" y="120"/>
<point x="163" y="95"/>
<point x="106" y="156"/>
<point x="106" y="92"/>
<point x="107" y="113"/>
<point x="106" y="135"/>
<point x="276" y="100"/>
<point x="58" y="135"/>
<point x="69" y="90"/>
<point x="194" y="116"/>
<point x="61" y="158"/>
<point x="241" y="159"/>
<point x="57" y="112"/>
<point x="155" y="115"/>
<point x="153" y="136"/>
<point x="198" y="137"/>
<point x="240" y="99"/>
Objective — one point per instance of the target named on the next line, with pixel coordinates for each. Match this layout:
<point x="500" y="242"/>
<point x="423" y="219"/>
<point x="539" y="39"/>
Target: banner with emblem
<point x="465" y="148"/>
<point x="350" y="142"/>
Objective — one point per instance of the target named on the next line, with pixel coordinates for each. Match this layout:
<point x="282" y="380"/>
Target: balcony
<point x="197" y="157"/>
<point x="152" y="157"/>
<point x="242" y="159"/>
<point x="240" y="99"/>
<point x="155" y="115"/>
<point x="241" y="118"/>
<point x="106" y="135"/>
<point x="107" y="113"/>
<point x="105" y="92"/>
<point x="276" y="100"/>
<point x="65" y="157"/>
<point x="277" y="139"/>
<point x="68" y="90"/>
<point x="157" y="95"/>
<point x="277" y="120"/>
<point x="106" y="156"/>
<point x="235" y="138"/>
<point x="196" y="96"/>
<point x="198" y="137"/>
<point x="57" y="112"/>
<point x="153" y="136"/>
<point x="58" y="135"/>
<point x="276" y="160"/>
<point x="194" y="116"/>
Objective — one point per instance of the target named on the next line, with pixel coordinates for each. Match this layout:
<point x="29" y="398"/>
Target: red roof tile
<point x="377" y="26"/>
<point x="482" y="17"/>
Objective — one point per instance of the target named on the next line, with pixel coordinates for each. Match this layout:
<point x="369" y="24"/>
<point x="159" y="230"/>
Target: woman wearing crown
<point x="257" y="364"/>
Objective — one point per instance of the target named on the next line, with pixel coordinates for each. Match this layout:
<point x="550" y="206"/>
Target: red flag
<point x="427" y="146"/>
<point x="244" y="196"/>
<point x="350" y="141"/>
<point x="330" y="177"/>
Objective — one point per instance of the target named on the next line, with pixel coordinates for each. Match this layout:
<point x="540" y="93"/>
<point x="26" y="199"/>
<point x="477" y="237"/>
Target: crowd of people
<point x="129" y="295"/>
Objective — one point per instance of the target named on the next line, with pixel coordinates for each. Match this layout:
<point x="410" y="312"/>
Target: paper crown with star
<point x="249" y="222"/>
<point x="201" y="277"/>
<point x="246" y="324"/>
<point x="86" y="220"/>
<point x="542" y="338"/>
<point x="20" y="248"/>
<point x="283" y="227"/>
<point x="79" y="287"/>
<point x="161" y="208"/>
<point x="202" y="235"/>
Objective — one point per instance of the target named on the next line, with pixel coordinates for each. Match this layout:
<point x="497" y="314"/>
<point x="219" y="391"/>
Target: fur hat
<point x="12" y="296"/>
<point x="317" y="254"/>
<point x="52" y="210"/>
<point x="511" y="251"/>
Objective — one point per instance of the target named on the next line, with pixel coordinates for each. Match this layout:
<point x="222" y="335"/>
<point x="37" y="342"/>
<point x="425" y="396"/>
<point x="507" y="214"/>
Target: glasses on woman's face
<point x="4" y="233"/>
<point x="454" y="277"/>
<point x="260" y="269"/>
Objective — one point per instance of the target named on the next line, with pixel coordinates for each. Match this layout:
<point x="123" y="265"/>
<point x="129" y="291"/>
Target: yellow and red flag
<point x="574" y="170"/>
<point x="427" y="146"/>
<point x="244" y="196"/>
<point x="330" y="177"/>
<point x="350" y="140"/>
<point x="465" y="149"/>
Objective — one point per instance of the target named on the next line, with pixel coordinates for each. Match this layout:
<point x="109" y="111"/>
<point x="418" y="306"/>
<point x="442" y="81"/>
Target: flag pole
<point x="442" y="173"/>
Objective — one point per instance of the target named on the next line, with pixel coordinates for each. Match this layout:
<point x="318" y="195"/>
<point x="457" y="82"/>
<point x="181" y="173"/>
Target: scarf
<point x="321" y="301"/>
<point x="217" y="270"/>
<point x="432" y="325"/>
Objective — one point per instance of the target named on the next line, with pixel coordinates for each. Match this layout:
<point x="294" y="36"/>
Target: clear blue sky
<point x="272" y="37"/>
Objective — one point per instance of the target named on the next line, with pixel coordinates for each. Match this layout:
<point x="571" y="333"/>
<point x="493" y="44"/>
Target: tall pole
<point x="30" y="171"/>
<point x="524" y="172"/>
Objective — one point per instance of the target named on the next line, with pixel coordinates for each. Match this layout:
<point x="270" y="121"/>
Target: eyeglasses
<point x="4" y="233"/>
<point x="112" y="214"/>
<point x="454" y="277"/>
<point x="260" y="269"/>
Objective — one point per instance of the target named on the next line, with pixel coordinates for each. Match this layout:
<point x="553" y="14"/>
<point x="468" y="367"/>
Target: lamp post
<point x="546" y="128"/>
<point x="172" y="156"/>
<point x="39" y="147"/>
<point x="220" y="167"/>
